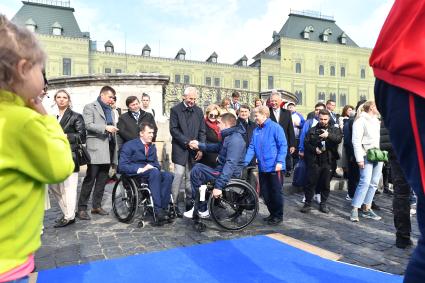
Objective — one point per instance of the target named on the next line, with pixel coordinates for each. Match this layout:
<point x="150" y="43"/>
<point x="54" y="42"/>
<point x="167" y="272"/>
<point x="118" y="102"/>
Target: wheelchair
<point x="131" y="195"/>
<point x="233" y="211"/>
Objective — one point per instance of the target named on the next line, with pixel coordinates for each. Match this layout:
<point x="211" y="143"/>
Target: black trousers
<point x="386" y="174"/>
<point x="401" y="200"/>
<point x="353" y="177"/>
<point x="271" y="186"/>
<point x="97" y="175"/>
<point x="318" y="177"/>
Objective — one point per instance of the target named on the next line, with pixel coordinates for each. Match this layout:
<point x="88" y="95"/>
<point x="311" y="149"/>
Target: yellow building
<point x="310" y="57"/>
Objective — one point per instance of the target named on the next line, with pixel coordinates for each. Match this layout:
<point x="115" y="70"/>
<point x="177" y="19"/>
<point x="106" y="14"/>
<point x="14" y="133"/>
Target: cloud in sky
<point x="231" y="28"/>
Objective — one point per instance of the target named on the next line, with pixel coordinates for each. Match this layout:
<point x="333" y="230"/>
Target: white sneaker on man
<point x="317" y="198"/>
<point x="204" y="214"/>
<point x="303" y="200"/>
<point x="189" y="213"/>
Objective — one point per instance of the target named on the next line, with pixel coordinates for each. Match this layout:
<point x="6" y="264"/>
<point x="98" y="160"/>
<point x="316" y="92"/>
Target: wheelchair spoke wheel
<point x="237" y="207"/>
<point x="125" y="199"/>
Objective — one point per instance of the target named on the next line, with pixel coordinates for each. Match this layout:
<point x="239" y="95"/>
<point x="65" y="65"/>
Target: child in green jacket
<point x="33" y="150"/>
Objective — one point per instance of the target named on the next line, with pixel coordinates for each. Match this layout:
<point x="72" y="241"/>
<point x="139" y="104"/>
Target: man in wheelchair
<point x="139" y="158"/>
<point x="230" y="160"/>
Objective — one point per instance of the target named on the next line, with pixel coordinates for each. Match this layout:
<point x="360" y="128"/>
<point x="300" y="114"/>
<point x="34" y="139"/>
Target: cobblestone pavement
<point x="368" y="243"/>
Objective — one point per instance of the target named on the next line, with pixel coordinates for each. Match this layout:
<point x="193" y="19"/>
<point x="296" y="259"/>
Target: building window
<point x="321" y="96"/>
<point x="298" y="68"/>
<point x="66" y="65"/>
<point x="362" y="73"/>
<point x="217" y="82"/>
<point x="270" y="83"/>
<point x="332" y="96"/>
<point x="332" y="71"/>
<point x="108" y="70"/>
<point x="118" y="71"/>
<point x="299" y="96"/>
<point x="321" y="70"/>
<point x="186" y="79"/>
<point x="181" y="56"/>
<point x="342" y="71"/>
<point x="208" y="81"/>
<point x="363" y="97"/>
<point x="342" y="99"/>
<point x="237" y="84"/>
<point x="245" y="85"/>
<point x="177" y="79"/>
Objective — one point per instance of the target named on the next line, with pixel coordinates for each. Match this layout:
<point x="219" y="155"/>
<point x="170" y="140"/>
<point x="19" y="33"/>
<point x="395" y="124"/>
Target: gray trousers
<point x="181" y="172"/>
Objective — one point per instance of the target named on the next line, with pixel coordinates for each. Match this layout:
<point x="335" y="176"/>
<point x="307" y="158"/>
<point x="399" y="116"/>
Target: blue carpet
<point x="252" y="259"/>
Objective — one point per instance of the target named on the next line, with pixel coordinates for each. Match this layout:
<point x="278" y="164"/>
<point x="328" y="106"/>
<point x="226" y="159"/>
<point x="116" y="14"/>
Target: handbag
<point x="81" y="153"/>
<point x="377" y="155"/>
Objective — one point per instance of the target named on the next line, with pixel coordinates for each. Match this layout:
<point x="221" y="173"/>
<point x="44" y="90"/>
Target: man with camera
<point x="320" y="150"/>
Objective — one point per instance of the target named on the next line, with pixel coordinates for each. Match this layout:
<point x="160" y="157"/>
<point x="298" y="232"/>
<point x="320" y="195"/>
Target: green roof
<point x="297" y="23"/>
<point x="45" y="16"/>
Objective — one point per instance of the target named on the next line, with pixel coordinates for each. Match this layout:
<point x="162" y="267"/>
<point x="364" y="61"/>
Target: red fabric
<point x="398" y="54"/>
<point x="214" y="126"/>
<point x="146" y="149"/>
<point x="417" y="137"/>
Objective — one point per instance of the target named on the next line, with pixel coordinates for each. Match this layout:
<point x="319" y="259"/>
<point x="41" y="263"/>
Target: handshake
<point x="194" y="144"/>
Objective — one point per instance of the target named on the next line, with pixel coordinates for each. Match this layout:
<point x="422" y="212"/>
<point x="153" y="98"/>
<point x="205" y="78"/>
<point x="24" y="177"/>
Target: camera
<point x="321" y="143"/>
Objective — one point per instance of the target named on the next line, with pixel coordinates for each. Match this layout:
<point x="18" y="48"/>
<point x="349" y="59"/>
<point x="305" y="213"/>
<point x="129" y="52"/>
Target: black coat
<point x="249" y="130"/>
<point x="285" y="121"/>
<point x="73" y="126"/>
<point x="129" y="127"/>
<point x="182" y="135"/>
<point x="210" y="158"/>
<point x="385" y="142"/>
<point x="312" y="140"/>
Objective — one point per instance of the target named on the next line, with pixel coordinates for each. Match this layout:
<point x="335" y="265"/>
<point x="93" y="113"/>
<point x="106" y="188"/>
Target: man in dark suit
<point x="284" y="118"/>
<point x="330" y="106"/>
<point x="128" y="123"/>
<point x="186" y="124"/>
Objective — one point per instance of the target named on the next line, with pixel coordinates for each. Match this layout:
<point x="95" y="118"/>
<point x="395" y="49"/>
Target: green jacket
<point x="34" y="151"/>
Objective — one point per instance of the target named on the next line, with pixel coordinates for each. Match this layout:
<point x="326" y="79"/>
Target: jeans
<point x="368" y="183"/>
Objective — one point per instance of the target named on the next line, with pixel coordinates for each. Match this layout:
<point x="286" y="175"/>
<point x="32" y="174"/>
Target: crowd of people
<point x="38" y="148"/>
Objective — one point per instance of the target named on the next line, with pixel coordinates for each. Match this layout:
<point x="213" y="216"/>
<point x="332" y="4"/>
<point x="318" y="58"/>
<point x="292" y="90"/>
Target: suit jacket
<point x="249" y="130"/>
<point x="180" y="133"/>
<point x="133" y="157"/>
<point x="97" y="137"/>
<point x="285" y="121"/>
<point x="72" y="124"/>
<point x="129" y="127"/>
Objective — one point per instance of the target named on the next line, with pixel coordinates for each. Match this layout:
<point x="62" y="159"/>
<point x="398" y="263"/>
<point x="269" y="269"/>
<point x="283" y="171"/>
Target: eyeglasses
<point x="212" y="116"/>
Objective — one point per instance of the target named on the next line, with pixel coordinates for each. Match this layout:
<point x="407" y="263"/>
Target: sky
<point x="231" y="28"/>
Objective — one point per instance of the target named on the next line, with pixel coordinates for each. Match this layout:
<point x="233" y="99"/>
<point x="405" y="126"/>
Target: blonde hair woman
<point x="225" y="107"/>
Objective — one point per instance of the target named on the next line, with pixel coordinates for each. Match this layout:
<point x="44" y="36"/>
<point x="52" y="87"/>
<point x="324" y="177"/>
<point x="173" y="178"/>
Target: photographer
<point x="321" y="144"/>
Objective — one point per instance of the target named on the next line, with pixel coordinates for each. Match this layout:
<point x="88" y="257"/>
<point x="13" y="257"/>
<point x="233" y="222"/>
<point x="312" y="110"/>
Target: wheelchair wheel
<point x="237" y="207"/>
<point x="125" y="199"/>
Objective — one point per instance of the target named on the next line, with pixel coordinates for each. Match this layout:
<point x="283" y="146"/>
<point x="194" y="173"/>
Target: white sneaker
<point x="189" y="213"/>
<point x="412" y="211"/>
<point x="203" y="214"/>
<point x="317" y="198"/>
<point x="347" y="197"/>
<point x="303" y="199"/>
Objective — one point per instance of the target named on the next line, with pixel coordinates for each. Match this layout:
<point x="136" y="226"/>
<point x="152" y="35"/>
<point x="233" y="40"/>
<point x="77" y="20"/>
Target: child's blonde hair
<point x="16" y="43"/>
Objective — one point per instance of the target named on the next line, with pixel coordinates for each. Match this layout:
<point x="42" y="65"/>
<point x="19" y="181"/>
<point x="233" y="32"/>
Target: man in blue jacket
<point x="138" y="157"/>
<point x="269" y="145"/>
<point x="230" y="159"/>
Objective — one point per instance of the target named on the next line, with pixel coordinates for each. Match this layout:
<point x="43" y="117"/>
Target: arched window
<point x="298" y="68"/>
<point x="332" y="71"/>
<point x="342" y="71"/>
<point x="299" y="96"/>
<point x="321" y="96"/>
<point x="363" y="97"/>
<point x="332" y="96"/>
<point x="321" y="70"/>
<point x="362" y="73"/>
<point x="342" y="99"/>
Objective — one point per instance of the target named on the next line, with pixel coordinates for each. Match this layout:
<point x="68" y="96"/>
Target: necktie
<point x="146" y="150"/>
<point x="136" y="115"/>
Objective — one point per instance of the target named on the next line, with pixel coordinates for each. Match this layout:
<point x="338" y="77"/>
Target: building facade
<point x="310" y="57"/>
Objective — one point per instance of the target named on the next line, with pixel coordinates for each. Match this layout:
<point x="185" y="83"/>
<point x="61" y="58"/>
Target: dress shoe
<point x="83" y="215"/>
<point x="267" y="218"/>
<point x="288" y="174"/>
<point x="324" y="208"/>
<point x="99" y="211"/>
<point x="59" y="219"/>
<point x="403" y="243"/>
<point x="178" y="213"/>
<point x="306" y="208"/>
<point x="63" y="222"/>
<point x="275" y="221"/>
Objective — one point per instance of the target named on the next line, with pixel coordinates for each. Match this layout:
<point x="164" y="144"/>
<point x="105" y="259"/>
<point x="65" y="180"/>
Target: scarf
<point x="214" y="126"/>
<point x="107" y="110"/>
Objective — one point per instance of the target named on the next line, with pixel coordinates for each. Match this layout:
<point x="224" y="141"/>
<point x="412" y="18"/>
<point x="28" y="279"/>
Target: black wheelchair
<point x="131" y="195"/>
<point x="233" y="211"/>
